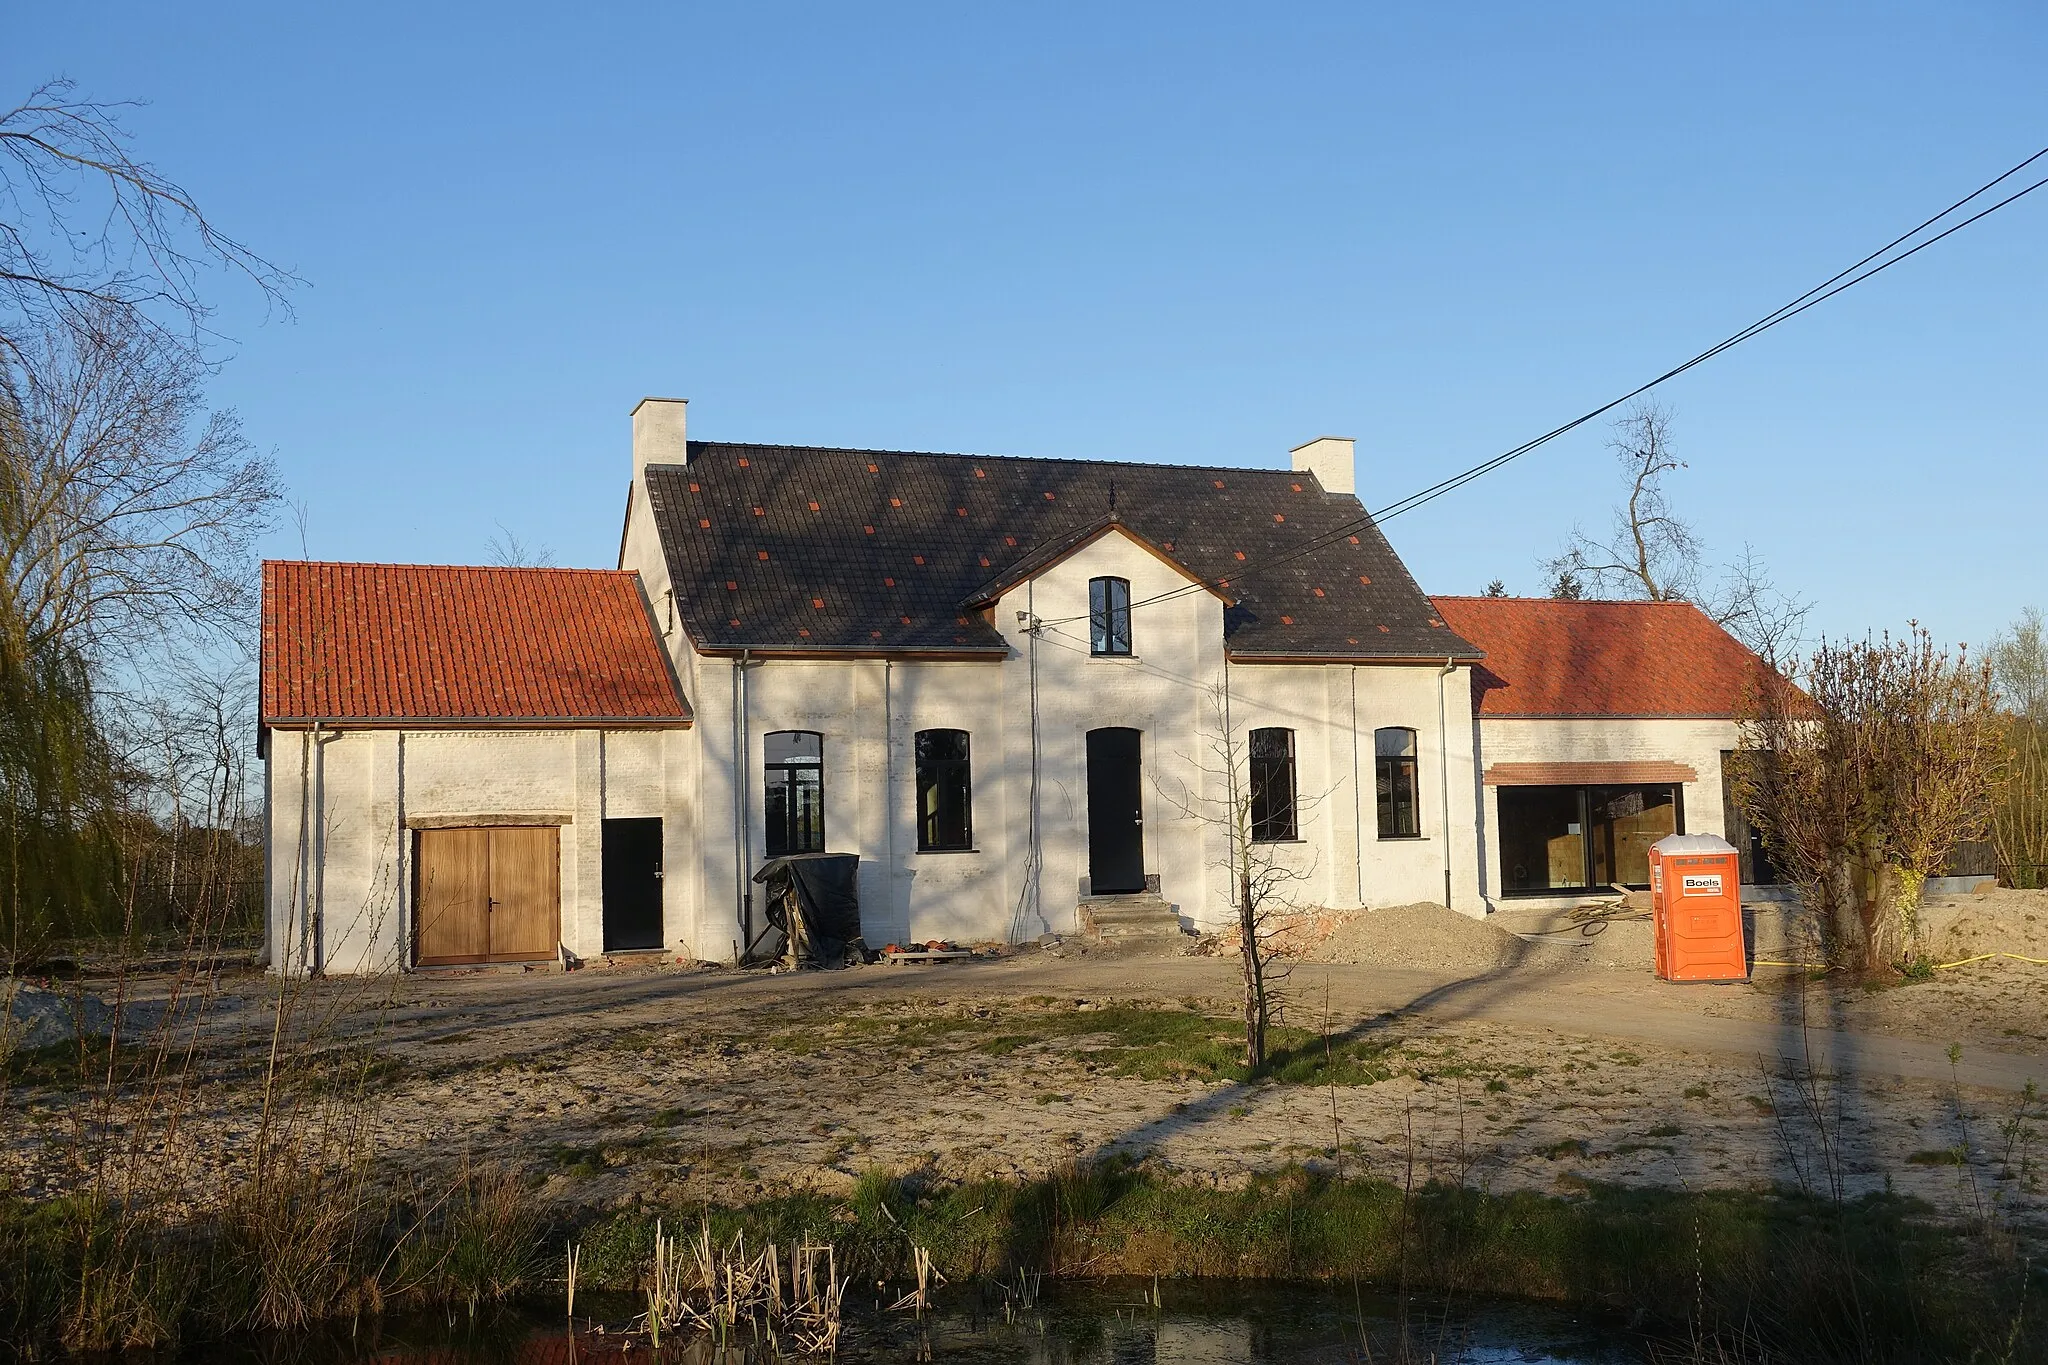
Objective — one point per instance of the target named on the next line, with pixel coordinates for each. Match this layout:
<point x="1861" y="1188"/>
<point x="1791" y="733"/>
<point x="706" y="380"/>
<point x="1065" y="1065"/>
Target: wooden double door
<point x="487" y="895"/>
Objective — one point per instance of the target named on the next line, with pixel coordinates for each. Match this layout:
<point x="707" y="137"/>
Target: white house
<point x="1002" y="683"/>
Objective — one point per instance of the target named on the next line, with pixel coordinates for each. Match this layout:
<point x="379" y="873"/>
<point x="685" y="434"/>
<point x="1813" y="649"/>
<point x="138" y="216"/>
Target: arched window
<point x="1109" y="616"/>
<point x="1394" y="774"/>
<point x="793" y="764"/>
<point x="1272" y="786"/>
<point x="945" y="810"/>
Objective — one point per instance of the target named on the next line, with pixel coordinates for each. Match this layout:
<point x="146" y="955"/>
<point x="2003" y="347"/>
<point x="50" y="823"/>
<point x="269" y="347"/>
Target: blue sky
<point x="1176" y="233"/>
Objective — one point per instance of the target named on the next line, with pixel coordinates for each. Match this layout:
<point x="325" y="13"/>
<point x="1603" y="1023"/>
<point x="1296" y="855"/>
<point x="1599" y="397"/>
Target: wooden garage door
<point x="487" y="895"/>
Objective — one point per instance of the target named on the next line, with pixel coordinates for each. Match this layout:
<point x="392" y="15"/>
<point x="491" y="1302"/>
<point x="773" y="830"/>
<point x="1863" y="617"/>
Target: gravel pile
<point x="31" y="1017"/>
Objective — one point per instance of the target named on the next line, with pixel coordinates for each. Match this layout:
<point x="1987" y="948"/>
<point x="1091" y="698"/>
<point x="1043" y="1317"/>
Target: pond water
<point x="1110" y="1324"/>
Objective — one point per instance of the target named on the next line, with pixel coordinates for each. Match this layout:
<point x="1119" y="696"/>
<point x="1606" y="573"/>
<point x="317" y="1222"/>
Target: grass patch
<point x="1938" y="1156"/>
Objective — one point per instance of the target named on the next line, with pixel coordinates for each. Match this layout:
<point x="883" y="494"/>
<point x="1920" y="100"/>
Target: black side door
<point x="632" y="885"/>
<point x="1116" y="820"/>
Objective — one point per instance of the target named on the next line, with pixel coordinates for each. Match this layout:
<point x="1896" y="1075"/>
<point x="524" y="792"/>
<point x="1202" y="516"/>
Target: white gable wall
<point x="868" y="712"/>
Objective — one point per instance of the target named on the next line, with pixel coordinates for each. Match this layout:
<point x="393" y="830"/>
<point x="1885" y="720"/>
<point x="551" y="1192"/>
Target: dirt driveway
<point x="659" y="1083"/>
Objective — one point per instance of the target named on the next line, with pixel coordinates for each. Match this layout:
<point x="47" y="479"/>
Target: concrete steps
<point x="1143" y="915"/>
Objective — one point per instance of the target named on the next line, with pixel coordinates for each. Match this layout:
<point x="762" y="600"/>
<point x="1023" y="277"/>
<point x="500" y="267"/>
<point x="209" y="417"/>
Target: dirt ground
<point x="1461" y="1050"/>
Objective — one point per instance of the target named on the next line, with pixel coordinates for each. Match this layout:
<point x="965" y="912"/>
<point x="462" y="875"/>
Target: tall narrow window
<point x="1109" y="616"/>
<point x="793" y="762"/>
<point x="1272" y="786"/>
<point x="945" y="813"/>
<point x="1394" y="773"/>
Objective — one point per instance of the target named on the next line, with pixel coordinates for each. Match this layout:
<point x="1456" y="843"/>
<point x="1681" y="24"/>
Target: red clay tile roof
<point x="1549" y="657"/>
<point x="438" y="644"/>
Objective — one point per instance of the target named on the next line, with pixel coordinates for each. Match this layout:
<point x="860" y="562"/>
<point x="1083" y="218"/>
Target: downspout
<point x="740" y="846"/>
<point x="889" y="798"/>
<point x="404" y="888"/>
<point x="1357" y="797"/>
<point x="1443" y="763"/>
<point x="318" y="965"/>
<point x="1037" y="852"/>
<point x="302" y="888"/>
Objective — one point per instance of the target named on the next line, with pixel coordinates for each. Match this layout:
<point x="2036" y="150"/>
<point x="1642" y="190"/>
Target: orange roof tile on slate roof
<point x="1553" y="657"/>
<point x="431" y="644"/>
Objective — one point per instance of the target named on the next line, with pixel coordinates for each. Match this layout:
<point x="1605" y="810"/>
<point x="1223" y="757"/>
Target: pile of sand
<point x="1994" y="920"/>
<point x="1424" y="936"/>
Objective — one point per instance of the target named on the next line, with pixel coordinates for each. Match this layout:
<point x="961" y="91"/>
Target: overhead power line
<point x="1876" y="262"/>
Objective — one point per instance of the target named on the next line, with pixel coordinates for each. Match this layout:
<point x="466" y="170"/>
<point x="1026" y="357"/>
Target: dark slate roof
<point x="796" y="548"/>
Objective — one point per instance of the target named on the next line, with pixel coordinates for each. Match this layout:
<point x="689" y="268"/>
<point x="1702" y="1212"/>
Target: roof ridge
<point x="449" y="568"/>
<point x="1569" y="601"/>
<point x="1009" y="459"/>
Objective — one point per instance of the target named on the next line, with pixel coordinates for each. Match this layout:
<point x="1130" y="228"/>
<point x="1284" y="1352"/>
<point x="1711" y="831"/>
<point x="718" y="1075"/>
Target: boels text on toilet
<point x="1700" y="884"/>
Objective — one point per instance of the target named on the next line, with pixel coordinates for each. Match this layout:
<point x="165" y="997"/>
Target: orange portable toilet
<point x="1696" y="888"/>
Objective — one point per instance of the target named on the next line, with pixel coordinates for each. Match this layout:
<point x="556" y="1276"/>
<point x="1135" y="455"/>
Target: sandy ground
<point x="1507" y="1061"/>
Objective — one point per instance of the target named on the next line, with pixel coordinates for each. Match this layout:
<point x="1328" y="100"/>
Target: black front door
<point x="1116" y="820"/>
<point x="632" y="885"/>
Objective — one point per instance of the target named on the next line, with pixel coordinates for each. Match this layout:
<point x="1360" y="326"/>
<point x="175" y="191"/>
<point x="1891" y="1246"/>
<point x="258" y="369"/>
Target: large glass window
<point x="1576" y="838"/>
<point x="945" y="811"/>
<point x="1109" y="616"/>
<point x="1272" y="785"/>
<point x="793" y="763"/>
<point x="1394" y="777"/>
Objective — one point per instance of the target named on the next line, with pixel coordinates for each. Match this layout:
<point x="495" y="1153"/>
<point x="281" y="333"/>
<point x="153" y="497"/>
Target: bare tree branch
<point x="87" y="228"/>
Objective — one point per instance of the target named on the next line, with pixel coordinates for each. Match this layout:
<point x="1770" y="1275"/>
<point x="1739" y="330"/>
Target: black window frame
<point x="1585" y="799"/>
<point x="1390" y="772"/>
<point x="1109" y="618"/>
<point x="787" y="831"/>
<point x="950" y="776"/>
<point x="1269" y="774"/>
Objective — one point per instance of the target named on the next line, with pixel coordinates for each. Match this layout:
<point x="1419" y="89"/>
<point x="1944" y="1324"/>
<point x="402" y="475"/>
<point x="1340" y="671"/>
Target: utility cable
<point x="1835" y="284"/>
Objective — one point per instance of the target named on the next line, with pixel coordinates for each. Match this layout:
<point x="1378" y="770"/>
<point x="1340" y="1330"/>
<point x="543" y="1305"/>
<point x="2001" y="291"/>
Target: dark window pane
<point x="1109" y="616"/>
<point x="793" y="808"/>
<point x="1394" y="780"/>
<point x="934" y="745"/>
<point x="1625" y="822"/>
<point x="1542" y="839"/>
<point x="1272" y="785"/>
<point x="944" y="791"/>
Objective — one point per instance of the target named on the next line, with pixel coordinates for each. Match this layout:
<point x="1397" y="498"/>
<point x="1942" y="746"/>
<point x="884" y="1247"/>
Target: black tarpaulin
<point x="813" y="909"/>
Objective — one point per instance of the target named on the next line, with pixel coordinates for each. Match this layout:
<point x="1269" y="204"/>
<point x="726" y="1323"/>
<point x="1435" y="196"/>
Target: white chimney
<point x="658" y="433"/>
<point x="1330" y="459"/>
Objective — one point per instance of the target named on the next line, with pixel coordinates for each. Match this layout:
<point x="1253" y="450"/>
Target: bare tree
<point x="90" y="231"/>
<point x="1245" y="811"/>
<point x="1750" y="606"/>
<point x="2019" y="827"/>
<point x="508" y="551"/>
<point x="1652" y="554"/>
<point x="1866" y="781"/>
<point x="127" y="511"/>
<point x="2018" y="657"/>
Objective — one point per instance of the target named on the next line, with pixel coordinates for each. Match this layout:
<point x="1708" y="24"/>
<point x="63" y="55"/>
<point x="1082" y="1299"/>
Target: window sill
<point x="1263" y="843"/>
<point x="1402" y="839"/>
<point x="925" y="851"/>
<point x="1117" y="658"/>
